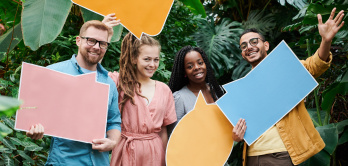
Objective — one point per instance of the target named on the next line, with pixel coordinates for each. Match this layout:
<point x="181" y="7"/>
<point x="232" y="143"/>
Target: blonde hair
<point x="96" y="24"/>
<point x="130" y="49"/>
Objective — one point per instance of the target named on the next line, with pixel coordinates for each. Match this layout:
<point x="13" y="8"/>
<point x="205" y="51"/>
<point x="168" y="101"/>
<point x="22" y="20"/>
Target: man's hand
<point x="110" y="21"/>
<point x="36" y="132"/>
<point x="103" y="145"/>
<point x="239" y="130"/>
<point x="328" y="30"/>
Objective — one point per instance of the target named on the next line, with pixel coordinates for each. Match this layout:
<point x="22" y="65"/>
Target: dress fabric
<point x="140" y="143"/>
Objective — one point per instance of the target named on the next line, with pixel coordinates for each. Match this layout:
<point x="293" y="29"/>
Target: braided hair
<point x="128" y="81"/>
<point x="178" y="79"/>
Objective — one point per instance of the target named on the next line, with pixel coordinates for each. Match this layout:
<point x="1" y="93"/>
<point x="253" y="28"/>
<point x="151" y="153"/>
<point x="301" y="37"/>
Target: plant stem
<point x="317" y="105"/>
<point x="8" y="49"/>
<point x="308" y="48"/>
<point x="266" y="6"/>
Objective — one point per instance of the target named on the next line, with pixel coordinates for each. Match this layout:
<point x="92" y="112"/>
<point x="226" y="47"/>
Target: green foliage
<point x="17" y="149"/>
<point x="42" y="21"/>
<point x="261" y="21"/>
<point x="10" y="39"/>
<point x="219" y="42"/>
<point x="8" y="105"/>
<point x="299" y="4"/>
<point x="195" y="6"/>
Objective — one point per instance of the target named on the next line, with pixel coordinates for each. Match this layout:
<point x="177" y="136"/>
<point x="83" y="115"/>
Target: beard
<point x="89" y="59"/>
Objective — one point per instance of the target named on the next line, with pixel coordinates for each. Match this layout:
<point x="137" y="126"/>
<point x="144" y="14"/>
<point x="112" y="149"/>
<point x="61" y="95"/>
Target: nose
<point x="196" y="67"/>
<point x="96" y="46"/>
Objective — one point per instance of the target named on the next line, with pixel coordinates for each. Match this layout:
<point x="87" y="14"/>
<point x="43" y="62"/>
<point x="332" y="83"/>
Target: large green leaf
<point x="320" y="159"/>
<point x="10" y="39"/>
<point x="339" y="87"/>
<point x="8" y="160"/>
<point x="4" y="131"/>
<point x="299" y="4"/>
<point x="218" y="42"/>
<point x="8" y="105"/>
<point x="25" y="156"/>
<point x="196" y="7"/>
<point x="43" y="20"/>
<point x="261" y="21"/>
<point x="89" y="15"/>
<point x="314" y="116"/>
<point x="344" y="138"/>
<point x="329" y="134"/>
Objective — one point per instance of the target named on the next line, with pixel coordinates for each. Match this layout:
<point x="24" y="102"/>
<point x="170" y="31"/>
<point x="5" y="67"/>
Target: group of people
<point x="149" y="109"/>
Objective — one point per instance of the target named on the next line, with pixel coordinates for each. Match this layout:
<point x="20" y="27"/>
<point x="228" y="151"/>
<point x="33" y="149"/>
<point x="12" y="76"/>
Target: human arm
<point x="36" y="132"/>
<point x="239" y="130"/>
<point x="327" y="31"/>
<point x="164" y="136"/>
<point x="110" y="21"/>
<point x="107" y="144"/>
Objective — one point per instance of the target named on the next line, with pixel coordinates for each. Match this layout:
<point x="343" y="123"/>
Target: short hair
<point x="252" y="30"/>
<point x="96" y="24"/>
<point x="178" y="79"/>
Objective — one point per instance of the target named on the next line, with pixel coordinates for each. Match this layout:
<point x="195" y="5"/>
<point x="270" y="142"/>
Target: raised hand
<point x="329" y="29"/>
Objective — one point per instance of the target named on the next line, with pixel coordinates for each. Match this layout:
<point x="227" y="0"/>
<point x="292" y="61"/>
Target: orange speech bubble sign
<point x="138" y="16"/>
<point x="202" y="137"/>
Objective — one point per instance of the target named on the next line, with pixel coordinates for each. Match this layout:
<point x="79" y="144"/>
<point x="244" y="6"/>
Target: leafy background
<point x="43" y="32"/>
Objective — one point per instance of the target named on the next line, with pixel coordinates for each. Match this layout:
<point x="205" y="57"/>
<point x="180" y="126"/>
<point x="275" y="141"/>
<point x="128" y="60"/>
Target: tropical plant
<point x="219" y="43"/>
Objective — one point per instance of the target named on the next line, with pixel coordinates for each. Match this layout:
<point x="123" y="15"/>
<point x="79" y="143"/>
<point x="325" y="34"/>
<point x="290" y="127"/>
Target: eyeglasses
<point x="253" y="42"/>
<point x="92" y="42"/>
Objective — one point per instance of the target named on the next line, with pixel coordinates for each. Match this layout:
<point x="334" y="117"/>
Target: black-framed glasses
<point x="92" y="42"/>
<point x="253" y="42"/>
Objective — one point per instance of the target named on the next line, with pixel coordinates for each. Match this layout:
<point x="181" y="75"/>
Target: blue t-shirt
<point x="68" y="152"/>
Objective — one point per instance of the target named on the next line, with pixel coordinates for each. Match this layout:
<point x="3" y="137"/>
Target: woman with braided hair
<point x="147" y="106"/>
<point x="192" y="73"/>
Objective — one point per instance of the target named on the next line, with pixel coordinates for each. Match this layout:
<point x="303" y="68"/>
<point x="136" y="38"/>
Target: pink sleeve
<point x="114" y="76"/>
<point x="170" y="115"/>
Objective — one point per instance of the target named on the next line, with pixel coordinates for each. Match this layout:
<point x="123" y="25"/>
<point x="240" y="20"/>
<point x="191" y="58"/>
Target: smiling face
<point x="91" y="55"/>
<point x="195" y="67"/>
<point x="147" y="61"/>
<point x="254" y="54"/>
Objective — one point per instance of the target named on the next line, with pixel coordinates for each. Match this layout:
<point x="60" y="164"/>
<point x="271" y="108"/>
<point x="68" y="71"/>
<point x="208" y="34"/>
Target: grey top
<point x="184" y="102"/>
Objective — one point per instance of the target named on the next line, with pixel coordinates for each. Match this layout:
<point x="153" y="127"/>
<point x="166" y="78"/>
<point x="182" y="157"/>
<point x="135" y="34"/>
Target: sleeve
<point x="114" y="116"/>
<point x="179" y="109"/>
<point x="315" y="65"/>
<point x="170" y="115"/>
<point x="114" y="76"/>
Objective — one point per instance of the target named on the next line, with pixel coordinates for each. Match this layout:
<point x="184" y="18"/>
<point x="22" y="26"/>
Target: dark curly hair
<point x="178" y="79"/>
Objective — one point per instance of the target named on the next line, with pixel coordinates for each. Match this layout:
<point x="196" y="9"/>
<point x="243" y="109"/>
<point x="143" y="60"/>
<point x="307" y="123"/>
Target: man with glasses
<point x="293" y="139"/>
<point x="92" y="45"/>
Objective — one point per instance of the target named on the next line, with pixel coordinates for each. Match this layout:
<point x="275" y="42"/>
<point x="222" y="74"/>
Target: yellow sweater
<point x="296" y="129"/>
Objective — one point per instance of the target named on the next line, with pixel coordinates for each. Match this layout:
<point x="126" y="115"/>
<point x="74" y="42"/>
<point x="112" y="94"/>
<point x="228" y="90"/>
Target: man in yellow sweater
<point x="293" y="139"/>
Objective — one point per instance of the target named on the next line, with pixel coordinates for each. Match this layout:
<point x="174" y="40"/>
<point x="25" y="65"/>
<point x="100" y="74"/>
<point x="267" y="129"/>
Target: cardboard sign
<point x="138" y="16"/>
<point x="202" y="137"/>
<point x="71" y="107"/>
<point x="264" y="96"/>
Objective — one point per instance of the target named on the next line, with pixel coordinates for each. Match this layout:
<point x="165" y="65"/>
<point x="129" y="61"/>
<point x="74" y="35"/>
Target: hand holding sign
<point x="137" y="16"/>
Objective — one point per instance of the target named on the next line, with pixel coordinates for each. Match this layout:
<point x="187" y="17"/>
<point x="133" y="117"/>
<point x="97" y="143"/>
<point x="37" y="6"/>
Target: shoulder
<point x="180" y="94"/>
<point x="164" y="87"/>
<point x="114" y="76"/>
<point x="60" y="65"/>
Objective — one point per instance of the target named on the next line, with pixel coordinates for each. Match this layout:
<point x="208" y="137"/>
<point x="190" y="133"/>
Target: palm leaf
<point x="263" y="22"/>
<point x="298" y="4"/>
<point x="218" y="42"/>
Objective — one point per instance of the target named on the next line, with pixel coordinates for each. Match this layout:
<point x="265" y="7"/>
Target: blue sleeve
<point x="114" y="116"/>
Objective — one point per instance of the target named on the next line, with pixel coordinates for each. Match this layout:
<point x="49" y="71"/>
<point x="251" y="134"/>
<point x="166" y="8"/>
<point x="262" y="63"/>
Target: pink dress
<point x="140" y="143"/>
